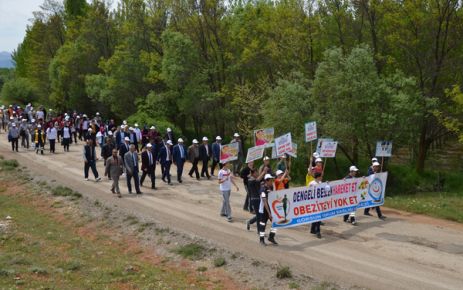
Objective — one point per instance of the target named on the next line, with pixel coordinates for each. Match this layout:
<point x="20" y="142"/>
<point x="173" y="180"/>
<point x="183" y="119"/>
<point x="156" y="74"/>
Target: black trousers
<point x="247" y="203"/>
<point x="52" y="145"/>
<point x="150" y="172"/>
<point x="378" y="211"/>
<point x="315" y="227"/>
<point x="255" y="206"/>
<point x="166" y="172"/>
<point x="194" y="168"/>
<point x="204" y="171"/>
<point x="214" y="164"/>
<point x="25" y="141"/>
<point x="180" y="170"/>
<point x="14" y="144"/>
<point x="90" y="164"/>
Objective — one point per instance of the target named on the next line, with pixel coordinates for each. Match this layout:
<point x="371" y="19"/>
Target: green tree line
<point x="365" y="70"/>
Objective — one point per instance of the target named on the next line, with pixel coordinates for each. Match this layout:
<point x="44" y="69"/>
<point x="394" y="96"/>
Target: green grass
<point x="191" y="251"/>
<point x="284" y="272"/>
<point x="440" y="205"/>
<point x="49" y="254"/>
<point x="219" y="261"/>
<point x="8" y="165"/>
<point x="66" y="192"/>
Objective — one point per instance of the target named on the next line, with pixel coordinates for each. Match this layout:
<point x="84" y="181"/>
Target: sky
<point x="15" y="15"/>
<point x="14" y="18"/>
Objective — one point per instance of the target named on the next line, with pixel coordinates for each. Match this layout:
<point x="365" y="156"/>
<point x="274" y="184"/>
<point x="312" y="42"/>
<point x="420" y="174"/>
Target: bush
<point x="284" y="272"/>
<point x="190" y="251"/>
<point x="9" y="165"/>
<point x="219" y="262"/>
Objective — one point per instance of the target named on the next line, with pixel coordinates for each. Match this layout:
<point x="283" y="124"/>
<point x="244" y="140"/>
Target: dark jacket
<point x="202" y="152"/>
<point x="145" y="161"/>
<point x="163" y="155"/>
<point x="216" y="151"/>
<point x="89" y="153"/>
<point x="176" y="154"/>
<point x="123" y="149"/>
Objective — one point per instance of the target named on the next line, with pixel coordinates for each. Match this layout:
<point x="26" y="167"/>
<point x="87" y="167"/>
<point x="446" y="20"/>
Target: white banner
<point x="304" y="205"/>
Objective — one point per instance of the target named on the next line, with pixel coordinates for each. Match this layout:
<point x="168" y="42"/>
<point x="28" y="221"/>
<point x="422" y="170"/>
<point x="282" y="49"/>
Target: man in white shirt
<point x="226" y="179"/>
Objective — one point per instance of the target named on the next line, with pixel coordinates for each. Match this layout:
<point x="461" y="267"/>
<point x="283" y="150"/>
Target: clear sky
<point x="14" y="18"/>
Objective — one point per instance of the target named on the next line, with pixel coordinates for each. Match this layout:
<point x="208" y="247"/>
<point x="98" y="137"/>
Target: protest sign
<point x="293" y="152"/>
<point x="383" y="149"/>
<point x="283" y="144"/>
<point x="264" y="137"/>
<point x="304" y="205"/>
<point x="320" y="143"/>
<point x="328" y="149"/>
<point x="255" y="153"/>
<point x="229" y="152"/>
<point x="310" y="131"/>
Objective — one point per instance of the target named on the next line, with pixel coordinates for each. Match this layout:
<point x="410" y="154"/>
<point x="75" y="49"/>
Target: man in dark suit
<point x="165" y="157"/>
<point x="216" y="154"/>
<point x="169" y="135"/>
<point x="179" y="157"/>
<point x="124" y="148"/>
<point x="131" y="169"/>
<point x="205" y="153"/>
<point x="120" y="136"/>
<point x="133" y="137"/>
<point x="148" y="165"/>
<point x="90" y="160"/>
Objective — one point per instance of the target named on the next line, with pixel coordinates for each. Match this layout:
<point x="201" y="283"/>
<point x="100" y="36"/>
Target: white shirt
<point x="225" y="174"/>
<point x="66" y="132"/>
<point x="52" y="133"/>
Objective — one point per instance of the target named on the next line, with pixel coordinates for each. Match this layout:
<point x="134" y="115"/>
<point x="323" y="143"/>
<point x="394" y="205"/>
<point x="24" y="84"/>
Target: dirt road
<point x="403" y="252"/>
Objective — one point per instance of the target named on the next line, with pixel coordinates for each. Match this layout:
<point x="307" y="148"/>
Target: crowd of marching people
<point x="122" y="148"/>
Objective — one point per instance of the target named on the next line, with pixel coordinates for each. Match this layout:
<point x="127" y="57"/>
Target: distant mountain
<point x="6" y="60"/>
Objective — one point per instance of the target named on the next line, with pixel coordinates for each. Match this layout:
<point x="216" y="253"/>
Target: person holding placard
<point x="266" y="166"/>
<point x="353" y="170"/>
<point x="376" y="168"/>
<point x="282" y="179"/>
<point x="216" y="154"/>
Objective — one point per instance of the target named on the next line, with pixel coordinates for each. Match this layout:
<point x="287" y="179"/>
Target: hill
<point x="6" y="60"/>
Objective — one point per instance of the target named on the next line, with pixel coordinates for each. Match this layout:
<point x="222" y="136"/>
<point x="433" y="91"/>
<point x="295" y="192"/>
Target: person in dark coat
<point x="165" y="158"/>
<point x="148" y="165"/>
<point x="90" y="160"/>
<point x="205" y="153"/>
<point x="179" y="158"/>
<point x="216" y="154"/>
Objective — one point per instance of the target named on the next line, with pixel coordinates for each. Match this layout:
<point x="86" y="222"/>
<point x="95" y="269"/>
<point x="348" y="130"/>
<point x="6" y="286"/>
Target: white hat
<point x="316" y="155"/>
<point x="78" y="117"/>
<point x="14" y="124"/>
<point x="374" y="159"/>
<point x="169" y="130"/>
<point x="152" y="128"/>
<point x="266" y="158"/>
<point x="85" y="116"/>
<point x="236" y="135"/>
<point x="353" y="168"/>
<point x="126" y="139"/>
<point x="279" y="172"/>
<point x="376" y="163"/>
<point x="33" y="120"/>
<point x="130" y="128"/>
<point x="318" y="160"/>
<point x="205" y="138"/>
<point x="110" y="133"/>
<point x="39" y="126"/>
<point x="65" y="114"/>
<point x="11" y="118"/>
<point x="268" y="176"/>
<point x="90" y="129"/>
<point x="97" y="113"/>
<point x="124" y="122"/>
<point x="195" y="141"/>
<point x="50" y="110"/>
<point x="149" y="145"/>
<point x="169" y="142"/>
<point x="24" y="120"/>
<point x="218" y="138"/>
<point x="180" y="140"/>
<point x="136" y="125"/>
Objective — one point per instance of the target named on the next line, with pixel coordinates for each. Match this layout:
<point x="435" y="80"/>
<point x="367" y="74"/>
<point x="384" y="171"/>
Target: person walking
<point x="90" y="160"/>
<point x="66" y="133"/>
<point x="113" y="169"/>
<point x="148" y="165"/>
<point x="315" y="227"/>
<point x="205" y="152"/>
<point x="350" y="218"/>
<point x="39" y="139"/>
<point x="165" y="158"/>
<point x="265" y="214"/>
<point x="131" y="169"/>
<point x="254" y="185"/>
<point x="216" y="154"/>
<point x="179" y="157"/>
<point x="375" y="168"/>
<point x="226" y="179"/>
<point x="193" y="156"/>
<point x="13" y="134"/>
<point x="238" y="162"/>
<point x="24" y="132"/>
<point x="245" y="174"/>
<point x="52" y="134"/>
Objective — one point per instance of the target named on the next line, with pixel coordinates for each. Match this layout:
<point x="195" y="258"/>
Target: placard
<point x="320" y="143"/>
<point x="310" y="131"/>
<point x="264" y="137"/>
<point x="383" y="149"/>
<point x="229" y="152"/>
<point x="328" y="149"/>
<point x="283" y="144"/>
<point x="255" y="153"/>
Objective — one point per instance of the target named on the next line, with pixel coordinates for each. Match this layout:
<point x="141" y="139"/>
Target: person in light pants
<point x="350" y="218"/>
<point x="226" y="179"/>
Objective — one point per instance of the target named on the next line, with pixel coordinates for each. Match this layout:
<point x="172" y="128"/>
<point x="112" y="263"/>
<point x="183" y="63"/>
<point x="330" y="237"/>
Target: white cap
<point x="65" y="114"/>
<point x="353" y="168"/>
<point x="90" y="129"/>
<point x="149" y="145"/>
<point x="97" y="113"/>
<point x="279" y="172"/>
<point x="85" y="116"/>
<point x="14" y="124"/>
<point x="169" y="130"/>
<point x="110" y="133"/>
<point x="124" y="122"/>
<point x="130" y="128"/>
<point x="376" y="163"/>
<point x="236" y="135"/>
<point x="39" y="126"/>
<point x="195" y="141"/>
<point x="33" y="120"/>
<point x="316" y="155"/>
<point x="122" y="126"/>
<point x="268" y="176"/>
<point x="152" y="128"/>
<point x="180" y="140"/>
<point x="11" y="118"/>
<point x="78" y="116"/>
<point x="136" y="125"/>
<point x="169" y="142"/>
<point x="374" y="159"/>
<point x="205" y="138"/>
<point x="318" y="160"/>
<point x="266" y="158"/>
<point x="24" y="120"/>
<point x="218" y="138"/>
<point x="126" y="139"/>
<point x="50" y="110"/>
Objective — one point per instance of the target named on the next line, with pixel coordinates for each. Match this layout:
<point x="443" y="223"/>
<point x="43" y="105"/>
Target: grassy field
<point x="39" y="250"/>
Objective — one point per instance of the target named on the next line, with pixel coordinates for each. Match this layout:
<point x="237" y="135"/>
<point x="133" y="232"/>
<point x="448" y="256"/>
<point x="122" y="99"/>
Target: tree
<point x="19" y="91"/>
<point x="452" y="115"/>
